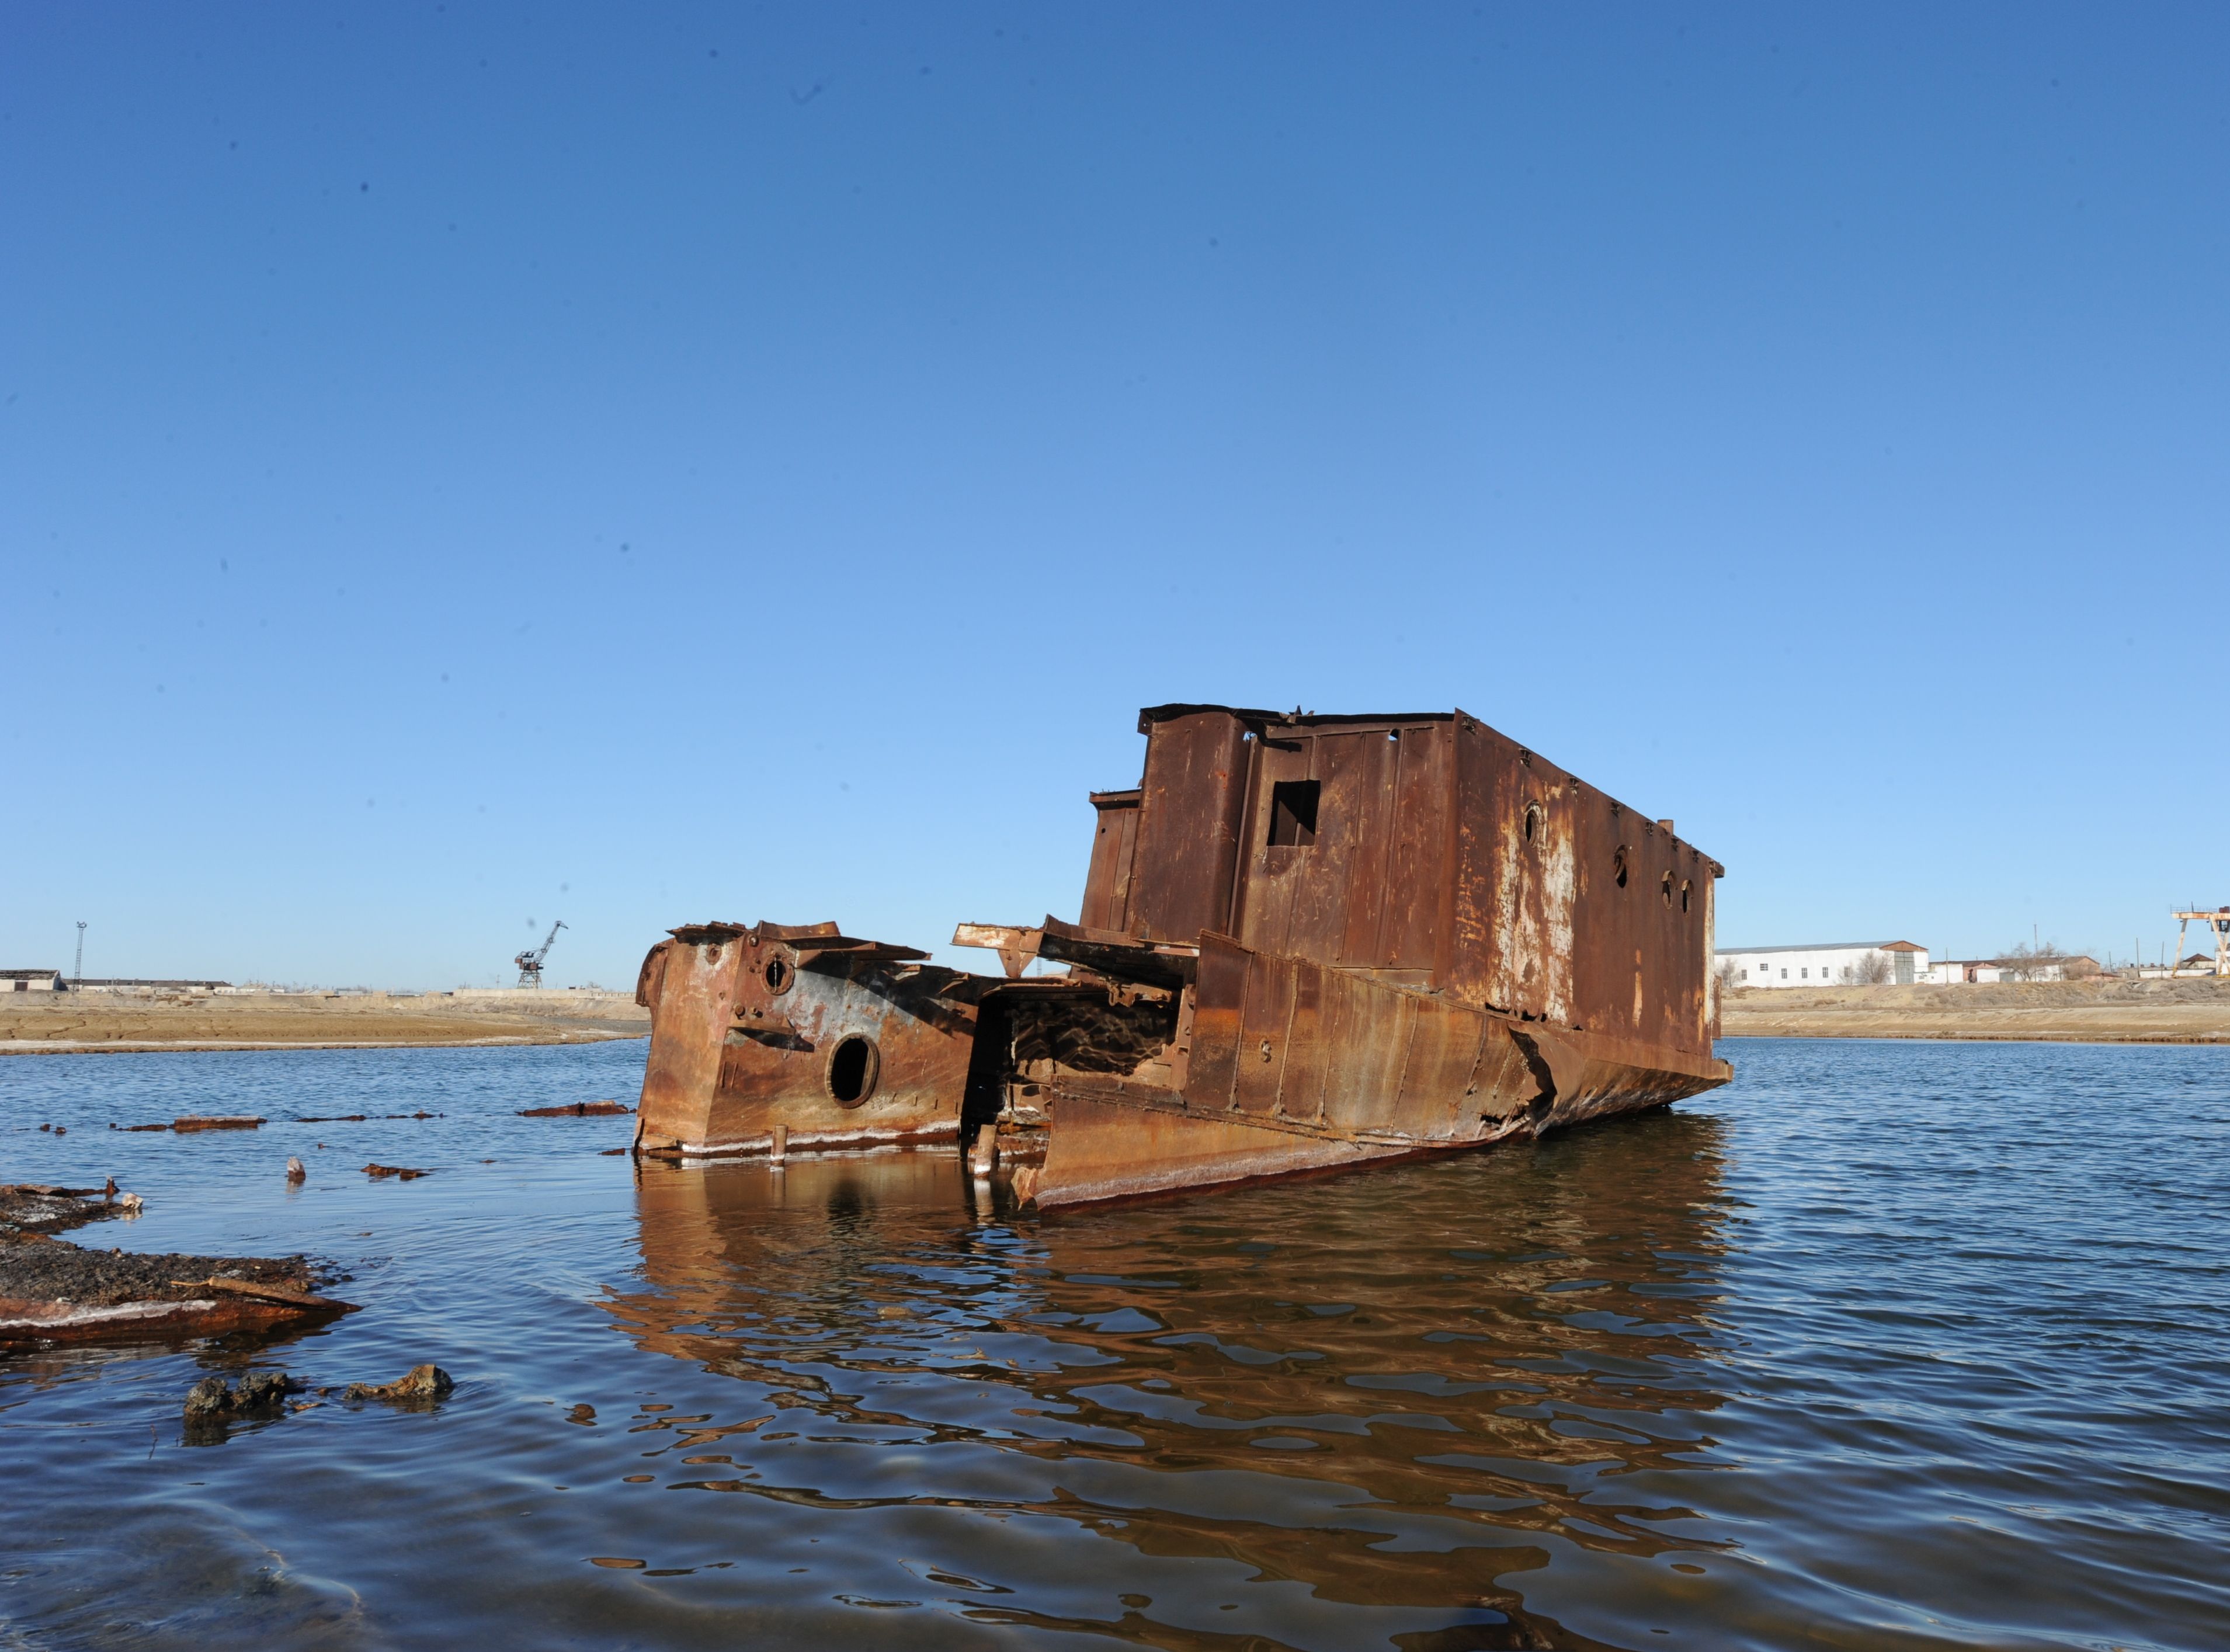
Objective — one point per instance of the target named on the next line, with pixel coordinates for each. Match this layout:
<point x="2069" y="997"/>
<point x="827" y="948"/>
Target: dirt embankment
<point x="49" y="1023"/>
<point x="2107" y="1011"/>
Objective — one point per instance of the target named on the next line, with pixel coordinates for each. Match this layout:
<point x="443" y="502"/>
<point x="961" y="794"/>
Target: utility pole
<point x="78" y="974"/>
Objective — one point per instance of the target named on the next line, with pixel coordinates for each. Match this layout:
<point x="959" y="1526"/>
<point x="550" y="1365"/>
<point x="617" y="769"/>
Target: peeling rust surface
<point x="1304" y="942"/>
<point x="842" y="1041"/>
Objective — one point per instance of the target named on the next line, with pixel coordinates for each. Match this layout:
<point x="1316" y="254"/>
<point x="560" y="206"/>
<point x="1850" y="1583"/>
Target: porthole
<point x="1533" y="822"/>
<point x="1617" y="866"/>
<point x="853" y="1066"/>
<point x="1665" y="888"/>
<point x="1683" y="894"/>
<point x="778" y="974"/>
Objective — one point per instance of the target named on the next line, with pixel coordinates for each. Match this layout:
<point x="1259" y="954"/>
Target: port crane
<point x="530" y="963"/>
<point x="2218" y="920"/>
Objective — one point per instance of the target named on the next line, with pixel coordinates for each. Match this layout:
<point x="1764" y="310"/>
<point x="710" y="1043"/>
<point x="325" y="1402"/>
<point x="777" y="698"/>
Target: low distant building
<point x="2200" y="963"/>
<point x="1828" y="963"/>
<point x="31" y="981"/>
<point x="1983" y="972"/>
<point x="1965" y="972"/>
<point x="114" y="984"/>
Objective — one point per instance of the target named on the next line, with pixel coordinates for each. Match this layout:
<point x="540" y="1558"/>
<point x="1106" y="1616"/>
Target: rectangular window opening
<point x="1292" y="813"/>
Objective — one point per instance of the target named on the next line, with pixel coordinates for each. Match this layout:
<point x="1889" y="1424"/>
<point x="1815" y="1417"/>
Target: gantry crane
<point x="2221" y="920"/>
<point x="530" y="963"/>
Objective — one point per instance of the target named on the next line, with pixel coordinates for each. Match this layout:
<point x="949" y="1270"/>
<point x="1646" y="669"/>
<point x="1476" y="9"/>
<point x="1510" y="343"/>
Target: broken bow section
<point x="798" y="1028"/>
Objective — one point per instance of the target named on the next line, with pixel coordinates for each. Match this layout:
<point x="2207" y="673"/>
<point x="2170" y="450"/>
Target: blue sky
<point x="462" y="466"/>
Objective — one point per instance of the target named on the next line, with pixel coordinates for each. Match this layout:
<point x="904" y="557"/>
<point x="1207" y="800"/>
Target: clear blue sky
<point x="462" y="465"/>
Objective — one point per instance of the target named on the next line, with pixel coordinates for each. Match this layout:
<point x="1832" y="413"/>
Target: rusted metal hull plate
<point x="1295" y="1067"/>
<point x="760" y="1031"/>
<point x="160" y="1318"/>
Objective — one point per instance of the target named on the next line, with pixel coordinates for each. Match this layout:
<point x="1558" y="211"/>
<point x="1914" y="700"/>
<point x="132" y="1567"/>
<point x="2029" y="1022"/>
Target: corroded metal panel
<point x="1263" y="1028"/>
<point x="1367" y="887"/>
<point x="1368" y="1026"/>
<point x="1418" y="867"/>
<point x="1195" y="787"/>
<point x="834" y="1041"/>
<point x="1638" y="957"/>
<point x="1515" y="876"/>
<point x="1365" y="1068"/>
<point x="1219" y="998"/>
<point x="1309" y="1054"/>
<point x="1114" y="850"/>
<point x="686" y="985"/>
<point x="1270" y="875"/>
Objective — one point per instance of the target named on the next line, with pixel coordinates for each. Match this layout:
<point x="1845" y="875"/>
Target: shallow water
<point x="1886" y="1346"/>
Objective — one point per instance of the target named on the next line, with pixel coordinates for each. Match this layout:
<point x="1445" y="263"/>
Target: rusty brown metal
<point x="1304" y="942"/>
<point x="839" y="1041"/>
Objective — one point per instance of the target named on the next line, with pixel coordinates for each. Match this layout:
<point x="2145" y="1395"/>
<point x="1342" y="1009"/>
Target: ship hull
<point x="1287" y="1067"/>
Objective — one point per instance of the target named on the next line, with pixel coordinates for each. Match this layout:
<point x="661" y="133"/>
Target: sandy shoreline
<point x="94" y="1024"/>
<point x="2192" y="1011"/>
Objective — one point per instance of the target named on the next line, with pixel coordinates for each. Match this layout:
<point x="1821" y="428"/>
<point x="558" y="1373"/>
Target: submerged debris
<point x="39" y="1208"/>
<point x="421" y="1383"/>
<point x="358" y="1118"/>
<point x="259" y="1393"/>
<point x="577" y="1111"/>
<point x="53" y="1291"/>
<point x="377" y="1172"/>
<point x="294" y="1170"/>
<point x="193" y="1122"/>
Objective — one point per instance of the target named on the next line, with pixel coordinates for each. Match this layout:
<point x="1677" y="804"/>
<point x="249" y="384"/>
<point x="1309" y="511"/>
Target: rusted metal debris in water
<point x="52" y="1291"/>
<point x="194" y="1122"/>
<point x="1305" y="942"/>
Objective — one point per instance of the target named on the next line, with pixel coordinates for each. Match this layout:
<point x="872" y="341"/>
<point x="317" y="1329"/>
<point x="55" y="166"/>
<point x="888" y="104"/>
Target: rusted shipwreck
<point x="1305" y="942"/>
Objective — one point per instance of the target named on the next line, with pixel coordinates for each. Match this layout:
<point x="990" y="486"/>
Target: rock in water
<point x="210" y="1405"/>
<point x="294" y="1171"/>
<point x="263" y="1391"/>
<point x="423" y="1383"/>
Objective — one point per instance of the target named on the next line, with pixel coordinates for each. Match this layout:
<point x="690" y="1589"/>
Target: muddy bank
<point x="73" y="1023"/>
<point x="2108" y="1011"/>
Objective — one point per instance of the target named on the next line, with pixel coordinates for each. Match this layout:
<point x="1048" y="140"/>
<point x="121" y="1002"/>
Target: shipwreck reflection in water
<point x="1417" y="1388"/>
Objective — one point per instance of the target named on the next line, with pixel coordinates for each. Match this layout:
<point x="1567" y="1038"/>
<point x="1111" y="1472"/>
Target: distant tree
<point x="1728" y="975"/>
<point x="2042" y="962"/>
<point x="1873" y="970"/>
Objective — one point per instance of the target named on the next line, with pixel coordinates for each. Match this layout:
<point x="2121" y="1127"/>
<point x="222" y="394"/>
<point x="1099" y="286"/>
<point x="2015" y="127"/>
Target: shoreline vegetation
<point x="95" y="1023"/>
<point x="2108" y="1010"/>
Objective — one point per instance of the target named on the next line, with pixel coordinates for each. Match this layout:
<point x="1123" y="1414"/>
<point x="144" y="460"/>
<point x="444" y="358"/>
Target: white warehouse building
<point x="1830" y="963"/>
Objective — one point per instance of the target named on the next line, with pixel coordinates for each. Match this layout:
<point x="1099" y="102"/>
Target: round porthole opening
<point x="1618" y="867"/>
<point x="778" y="974"/>
<point x="1532" y="821"/>
<point x="853" y="1066"/>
